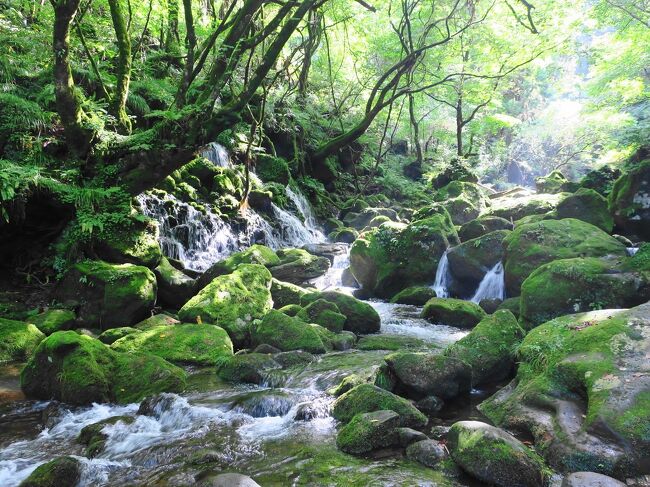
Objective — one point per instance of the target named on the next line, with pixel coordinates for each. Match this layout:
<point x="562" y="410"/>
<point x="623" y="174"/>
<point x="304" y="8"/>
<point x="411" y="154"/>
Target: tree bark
<point x="123" y="65"/>
<point x="190" y="44"/>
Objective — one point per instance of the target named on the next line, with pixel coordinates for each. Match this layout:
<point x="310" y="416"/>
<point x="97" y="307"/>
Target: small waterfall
<point x="307" y="213"/>
<point x="293" y="232"/>
<point x="217" y="154"/>
<point x="631" y="251"/>
<point x="333" y="279"/>
<point x="443" y="277"/>
<point x="492" y="286"/>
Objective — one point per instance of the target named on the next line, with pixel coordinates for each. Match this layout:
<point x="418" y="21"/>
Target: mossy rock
<point x="78" y="369"/>
<point x="324" y="313"/>
<point x="135" y="242"/>
<point x="344" y="235"/>
<point x="346" y="384"/>
<point x="588" y="372"/>
<point x="361" y="220"/>
<point x="255" y="254"/>
<point x="471" y="260"/>
<point x="517" y="205"/>
<point x="453" y="312"/>
<point x="232" y="301"/>
<point x="577" y="285"/>
<point x="161" y="319"/>
<point x="366" y="398"/>
<point x="108" y="295"/>
<point x="586" y="205"/>
<point x="18" y="340"/>
<point x="494" y="456"/>
<point x="511" y="304"/>
<point x="489" y="349"/>
<point x="384" y="341"/>
<point x="185" y="344"/>
<point x="252" y="368"/>
<point x="361" y="318"/>
<point x="272" y="169"/>
<point x="396" y="256"/>
<point x="297" y="266"/>
<point x="601" y="179"/>
<point x="285" y="293"/>
<point x="94" y="439"/>
<point x="111" y="335"/>
<point x="369" y="431"/>
<point x="60" y="472"/>
<point x="175" y="287"/>
<point x="291" y="309"/>
<point x="463" y="200"/>
<point x="414" y="295"/>
<point x="54" y="320"/>
<point x="629" y="201"/>
<point x="532" y="245"/>
<point x="287" y="333"/>
<point x="551" y="183"/>
<point x="455" y="170"/>
<point x="483" y="225"/>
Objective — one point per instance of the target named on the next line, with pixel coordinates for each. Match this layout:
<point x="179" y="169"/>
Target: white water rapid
<point x="492" y="285"/>
<point x="443" y="277"/>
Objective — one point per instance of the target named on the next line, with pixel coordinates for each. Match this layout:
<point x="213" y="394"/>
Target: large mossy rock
<point x="361" y="220"/>
<point x="516" y="205"/>
<point x="453" y="312"/>
<point x="361" y="318"/>
<point x="629" y="201"/>
<point x="577" y="285"/>
<point x="586" y="205"/>
<point x="551" y="183"/>
<point x="463" y="200"/>
<point x="455" y="170"/>
<point x="483" y="225"/>
<point x="323" y="313"/>
<point x="366" y="398"/>
<point x="255" y="254"/>
<point x="272" y="169"/>
<point x="369" y="431"/>
<point x="427" y="374"/>
<point x="582" y="392"/>
<point x="54" y="320"/>
<point x="92" y="437"/>
<point x="415" y="295"/>
<point x="532" y="245"/>
<point x="108" y="295"/>
<point x="18" y="340"/>
<point x="135" y="242"/>
<point x="601" y="179"/>
<point x="78" y="369"/>
<point x="251" y="368"/>
<point x="285" y="293"/>
<point x="232" y="301"/>
<point x="175" y="288"/>
<point x="471" y="260"/>
<point x="298" y="266"/>
<point x="489" y="349"/>
<point x="395" y="256"/>
<point x="494" y="456"/>
<point x="186" y="344"/>
<point x="287" y="333"/>
<point x="60" y="472"/>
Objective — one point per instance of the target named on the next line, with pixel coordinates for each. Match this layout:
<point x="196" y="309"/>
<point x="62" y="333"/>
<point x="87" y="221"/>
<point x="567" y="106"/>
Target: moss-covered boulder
<point x="532" y="245"/>
<point x="361" y="220"/>
<point x="511" y="304"/>
<point x="463" y="200"/>
<point x="369" y="431"/>
<point x="252" y="368"/>
<point x="18" y="340"/>
<point x="489" y="349"/>
<point x="601" y="179"/>
<point x="571" y="286"/>
<point x="586" y="205"/>
<point x="414" y="295"/>
<point x="629" y="201"/>
<point x="344" y="235"/>
<point x="395" y="256"/>
<point x="285" y="293"/>
<point x="175" y="287"/>
<point x="186" y="344"/>
<point x="273" y="169"/>
<point x="453" y="312"/>
<point x="255" y="254"/>
<point x="232" y="301"/>
<point x="135" y="242"/>
<point x="297" y="266"/>
<point x="287" y="333"/>
<point x="494" y="456"/>
<point x="78" y="369"/>
<point x="361" y="318"/>
<point x="551" y="183"/>
<point x="54" y="320"/>
<point x="108" y="295"/>
<point x="60" y="472"/>
<point x="581" y="392"/>
<point x="483" y="225"/>
<point x="455" y="170"/>
<point x="516" y="205"/>
<point x="471" y="260"/>
<point x="427" y="452"/>
<point x="112" y="335"/>
<point x="324" y="313"/>
<point x="156" y="320"/>
<point x="422" y="374"/>
<point x="93" y="437"/>
<point x="366" y="398"/>
<point x="384" y="341"/>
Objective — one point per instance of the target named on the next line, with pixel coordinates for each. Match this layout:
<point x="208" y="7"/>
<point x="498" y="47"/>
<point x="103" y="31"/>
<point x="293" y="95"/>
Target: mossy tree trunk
<point x="123" y="65"/>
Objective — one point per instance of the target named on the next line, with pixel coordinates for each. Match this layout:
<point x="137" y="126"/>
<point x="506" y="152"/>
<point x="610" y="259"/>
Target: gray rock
<point x="430" y="405"/>
<point x="228" y="480"/>
<point x="408" y="435"/>
<point x="427" y="452"/>
<point x="590" y="479"/>
<point x="369" y="431"/>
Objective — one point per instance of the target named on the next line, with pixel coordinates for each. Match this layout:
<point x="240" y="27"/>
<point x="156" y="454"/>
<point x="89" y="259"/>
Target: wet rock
<point x="346" y="384"/>
<point x="344" y="235"/>
<point x="94" y="439"/>
<point x="324" y="313"/>
<point x="228" y="480"/>
<point x="54" y="320"/>
<point x="361" y="318"/>
<point x="629" y="201"/>
<point x="430" y="405"/>
<point x="293" y="358"/>
<point x="408" y="436"/>
<point x="490" y="305"/>
<point x="590" y="479"/>
<point x="266" y="348"/>
<point x="175" y="287"/>
<point x="251" y="368"/>
<point x="298" y="266"/>
<point x="329" y="250"/>
<point x="427" y="452"/>
<point x="368" y="431"/>
<point x="285" y="293"/>
<point x="425" y="374"/>
<point x="60" y="472"/>
<point x="494" y="456"/>
<point x="260" y="200"/>
<point x="482" y="226"/>
<point x="287" y="333"/>
<point x="255" y="254"/>
<point x="453" y="312"/>
<point x="306" y="412"/>
<point x="291" y="309"/>
<point x="586" y="205"/>
<point x="18" y="340"/>
<point x="367" y="398"/>
<point x="414" y="295"/>
<point x="262" y="404"/>
<point x="111" y="335"/>
<point x="347" y="278"/>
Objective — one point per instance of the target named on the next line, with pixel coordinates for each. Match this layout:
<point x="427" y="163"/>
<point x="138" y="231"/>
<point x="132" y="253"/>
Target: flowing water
<point x="443" y="277"/>
<point x="216" y="154"/>
<point x="492" y="286"/>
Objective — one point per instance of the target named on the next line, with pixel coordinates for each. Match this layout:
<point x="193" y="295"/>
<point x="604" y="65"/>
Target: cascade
<point x="303" y="206"/>
<point x="217" y="154"/>
<point x="631" y="251"/>
<point x="443" y="277"/>
<point x="492" y="286"/>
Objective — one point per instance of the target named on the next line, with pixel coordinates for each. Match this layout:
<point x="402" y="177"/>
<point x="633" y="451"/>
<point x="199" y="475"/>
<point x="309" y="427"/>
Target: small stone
<point x="427" y="452"/>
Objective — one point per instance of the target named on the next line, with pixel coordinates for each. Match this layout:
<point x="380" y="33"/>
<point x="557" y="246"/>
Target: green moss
<point x="551" y="183"/>
<point x="391" y="342"/>
<point x="250" y="368"/>
<point x="368" y="431"/>
<point x="346" y="384"/>
<point x="109" y="336"/>
<point x="291" y="309"/>
<point x="273" y="169"/>
<point x="628" y="201"/>
<point x="415" y="295"/>
<point x="453" y="312"/>
<point x="135" y="242"/>
<point x="639" y="261"/>
<point x="361" y="318"/>
<point x="482" y="225"/>
<point x="344" y="235"/>
<point x="285" y="293"/>
<point x="366" y="398"/>
<point x="586" y="205"/>
<point x="18" y="340"/>
<point x="324" y="313"/>
<point x="287" y="333"/>
<point x="190" y="344"/>
<point x="54" y="320"/>
<point x="255" y="254"/>
<point x="60" y="472"/>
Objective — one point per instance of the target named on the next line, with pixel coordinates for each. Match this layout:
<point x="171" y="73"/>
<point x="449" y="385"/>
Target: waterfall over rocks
<point x="493" y="285"/>
<point x="216" y="154"/>
<point x="443" y="277"/>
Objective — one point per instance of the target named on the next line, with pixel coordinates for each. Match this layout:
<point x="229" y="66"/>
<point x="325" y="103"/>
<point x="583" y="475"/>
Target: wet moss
<point x="287" y="333"/>
<point x="415" y="295"/>
<point x="60" y="472"/>
<point x="18" y="340"/>
<point x="453" y="312"/>
<point x="324" y="313"/>
<point x="54" y="320"/>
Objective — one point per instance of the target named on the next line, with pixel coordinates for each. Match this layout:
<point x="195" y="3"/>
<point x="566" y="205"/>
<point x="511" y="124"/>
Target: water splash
<point x="443" y="277"/>
<point x="303" y="206"/>
<point x="492" y="286"/>
<point x="217" y="154"/>
<point x="333" y="278"/>
<point x="631" y="251"/>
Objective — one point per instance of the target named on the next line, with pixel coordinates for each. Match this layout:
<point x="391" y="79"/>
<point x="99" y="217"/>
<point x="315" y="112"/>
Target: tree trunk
<point x="416" y="131"/>
<point x="173" y="39"/>
<point x="123" y="65"/>
<point x="460" y="124"/>
<point x="190" y="44"/>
